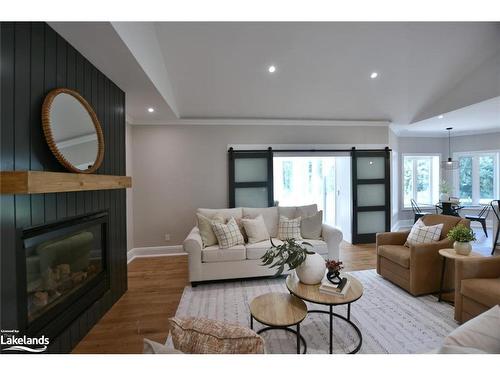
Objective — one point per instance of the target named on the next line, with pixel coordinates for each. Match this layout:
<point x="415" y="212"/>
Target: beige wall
<point x="129" y="193"/>
<point x="177" y="169"/>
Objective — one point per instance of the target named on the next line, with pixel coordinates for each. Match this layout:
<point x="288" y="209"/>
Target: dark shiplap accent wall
<point x="34" y="60"/>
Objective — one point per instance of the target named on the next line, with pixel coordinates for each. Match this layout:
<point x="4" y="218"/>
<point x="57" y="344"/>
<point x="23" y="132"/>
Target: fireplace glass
<point x="61" y="262"/>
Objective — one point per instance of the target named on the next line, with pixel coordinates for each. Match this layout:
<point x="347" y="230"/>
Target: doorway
<point x="322" y="180"/>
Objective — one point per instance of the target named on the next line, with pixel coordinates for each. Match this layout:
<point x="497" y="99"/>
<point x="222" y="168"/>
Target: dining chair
<point x="417" y="211"/>
<point x="481" y="217"/>
<point x="496" y="211"/>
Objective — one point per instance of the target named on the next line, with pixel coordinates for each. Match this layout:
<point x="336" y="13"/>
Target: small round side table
<point x="279" y="311"/>
<point x="451" y="254"/>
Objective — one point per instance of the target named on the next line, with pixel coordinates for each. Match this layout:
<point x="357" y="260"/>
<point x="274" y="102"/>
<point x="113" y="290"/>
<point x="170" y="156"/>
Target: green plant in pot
<point x="309" y="266"/>
<point x="444" y="190"/>
<point x="463" y="236"/>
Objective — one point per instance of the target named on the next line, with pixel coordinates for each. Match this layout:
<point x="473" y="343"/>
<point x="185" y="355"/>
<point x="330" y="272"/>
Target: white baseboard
<point x="154" y="251"/>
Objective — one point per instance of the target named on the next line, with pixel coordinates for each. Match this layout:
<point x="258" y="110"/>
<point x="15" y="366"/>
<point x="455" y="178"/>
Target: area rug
<point x="390" y="319"/>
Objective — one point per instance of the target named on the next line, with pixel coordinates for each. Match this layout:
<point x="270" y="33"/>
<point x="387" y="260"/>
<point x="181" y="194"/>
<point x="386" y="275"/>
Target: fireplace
<point x="65" y="270"/>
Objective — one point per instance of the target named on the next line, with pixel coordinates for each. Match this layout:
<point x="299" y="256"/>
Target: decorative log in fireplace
<point x="65" y="268"/>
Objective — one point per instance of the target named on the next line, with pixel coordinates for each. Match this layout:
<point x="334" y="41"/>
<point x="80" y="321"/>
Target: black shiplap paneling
<point x="8" y="227"/>
<point x="35" y="59"/>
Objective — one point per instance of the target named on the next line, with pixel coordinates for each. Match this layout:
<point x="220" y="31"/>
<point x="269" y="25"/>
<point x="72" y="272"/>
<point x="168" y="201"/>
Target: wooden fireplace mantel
<point x="38" y="182"/>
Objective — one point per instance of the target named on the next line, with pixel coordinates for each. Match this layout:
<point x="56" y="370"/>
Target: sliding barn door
<point x="251" y="178"/>
<point x="371" y="192"/>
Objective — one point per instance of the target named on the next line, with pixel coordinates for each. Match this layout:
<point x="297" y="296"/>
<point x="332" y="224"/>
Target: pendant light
<point x="449" y="164"/>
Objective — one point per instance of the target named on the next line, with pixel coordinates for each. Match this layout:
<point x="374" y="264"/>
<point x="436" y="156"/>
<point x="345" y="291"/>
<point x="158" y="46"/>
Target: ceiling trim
<point x="441" y="134"/>
<point x="268" y="122"/>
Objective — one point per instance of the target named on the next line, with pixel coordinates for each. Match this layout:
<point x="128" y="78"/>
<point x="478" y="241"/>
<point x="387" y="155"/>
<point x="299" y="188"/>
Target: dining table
<point x="449" y="207"/>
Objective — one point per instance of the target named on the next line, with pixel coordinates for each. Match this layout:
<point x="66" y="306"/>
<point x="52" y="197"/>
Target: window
<point x="476" y="180"/>
<point x="420" y="179"/>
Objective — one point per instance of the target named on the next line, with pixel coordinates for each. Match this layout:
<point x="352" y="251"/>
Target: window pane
<point x="486" y="178"/>
<point x="424" y="194"/>
<point x="408" y="181"/>
<point x="465" y="185"/>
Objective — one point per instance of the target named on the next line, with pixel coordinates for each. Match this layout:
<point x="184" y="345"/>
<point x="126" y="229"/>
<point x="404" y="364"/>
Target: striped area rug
<point x="390" y="319"/>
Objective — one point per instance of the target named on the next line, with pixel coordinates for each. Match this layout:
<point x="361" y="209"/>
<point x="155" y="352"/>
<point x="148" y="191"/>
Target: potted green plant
<point x="308" y="265"/>
<point x="463" y="236"/>
<point x="444" y="190"/>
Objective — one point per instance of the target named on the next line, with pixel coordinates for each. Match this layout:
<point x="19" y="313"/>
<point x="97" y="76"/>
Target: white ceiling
<point x="219" y="70"/>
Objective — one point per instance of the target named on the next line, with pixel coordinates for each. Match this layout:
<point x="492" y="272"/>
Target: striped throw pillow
<point x="420" y="233"/>
<point x="289" y="228"/>
<point x="229" y="234"/>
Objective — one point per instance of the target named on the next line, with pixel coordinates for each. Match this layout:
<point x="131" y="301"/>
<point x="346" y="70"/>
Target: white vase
<point x="443" y="197"/>
<point x="462" y="248"/>
<point x="312" y="270"/>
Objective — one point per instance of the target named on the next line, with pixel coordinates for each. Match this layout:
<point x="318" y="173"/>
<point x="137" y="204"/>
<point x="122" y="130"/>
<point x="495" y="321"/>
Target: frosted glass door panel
<point x="250" y="197"/>
<point x="370" y="167"/>
<point x="250" y="170"/>
<point x="371" y="222"/>
<point x="371" y="195"/>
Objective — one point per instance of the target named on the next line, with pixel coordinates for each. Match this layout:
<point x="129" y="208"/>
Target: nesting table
<point x="279" y="311"/>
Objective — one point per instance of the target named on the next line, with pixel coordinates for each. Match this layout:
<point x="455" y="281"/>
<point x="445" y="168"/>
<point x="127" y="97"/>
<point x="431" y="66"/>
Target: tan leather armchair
<point x="417" y="268"/>
<point x="477" y="286"/>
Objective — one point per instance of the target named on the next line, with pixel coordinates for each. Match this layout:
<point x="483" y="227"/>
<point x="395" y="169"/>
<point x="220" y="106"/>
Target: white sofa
<point x="243" y="261"/>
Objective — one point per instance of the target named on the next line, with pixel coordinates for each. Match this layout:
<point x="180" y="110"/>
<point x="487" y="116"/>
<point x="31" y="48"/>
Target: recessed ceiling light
<point x="374" y="75"/>
<point x="151" y="110"/>
<point x="440" y="117"/>
<point x="271" y="69"/>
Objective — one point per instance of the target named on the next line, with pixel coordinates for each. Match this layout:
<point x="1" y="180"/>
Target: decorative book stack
<point x="341" y="289"/>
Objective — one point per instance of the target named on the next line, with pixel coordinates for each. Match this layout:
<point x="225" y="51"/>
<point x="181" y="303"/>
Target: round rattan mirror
<point x="72" y="131"/>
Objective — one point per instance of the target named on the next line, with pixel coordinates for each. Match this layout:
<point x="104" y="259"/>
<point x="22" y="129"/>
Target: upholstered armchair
<point x="477" y="286"/>
<point x="416" y="268"/>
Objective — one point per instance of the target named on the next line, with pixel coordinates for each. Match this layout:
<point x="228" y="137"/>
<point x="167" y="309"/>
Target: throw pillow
<point x="205" y="336"/>
<point x="310" y="227"/>
<point x="205" y="226"/>
<point x="153" y="347"/>
<point x="256" y="229"/>
<point x="228" y="235"/>
<point x="289" y="228"/>
<point x="422" y="234"/>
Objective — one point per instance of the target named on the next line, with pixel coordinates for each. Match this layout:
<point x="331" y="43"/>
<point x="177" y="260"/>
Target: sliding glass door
<point x="371" y="195"/>
<point x="250" y="178"/>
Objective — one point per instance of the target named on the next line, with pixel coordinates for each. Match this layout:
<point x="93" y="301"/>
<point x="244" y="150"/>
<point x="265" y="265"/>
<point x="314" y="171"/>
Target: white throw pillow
<point x="289" y="228"/>
<point x="205" y="226"/>
<point x="255" y="229"/>
<point x="153" y="347"/>
<point x="229" y="234"/>
<point x="310" y="226"/>
<point x="420" y="233"/>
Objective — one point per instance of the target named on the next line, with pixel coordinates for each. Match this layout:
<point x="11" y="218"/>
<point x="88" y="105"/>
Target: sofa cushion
<point x="319" y="246"/>
<point x="309" y="210"/>
<point x="420" y="233"/>
<point x="213" y="254"/>
<point x="226" y="213"/>
<point x="310" y="226"/>
<point x="228" y="235"/>
<point x="255" y="229"/>
<point x="288" y="212"/>
<point x="289" y="228"/>
<point x="270" y="215"/>
<point x="481" y="333"/>
<point x="205" y="226"/>
<point x="257" y="250"/>
<point x="484" y="291"/>
<point x="397" y="253"/>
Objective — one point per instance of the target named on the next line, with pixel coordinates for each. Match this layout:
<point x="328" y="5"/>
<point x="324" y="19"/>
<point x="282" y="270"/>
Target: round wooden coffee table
<point x="451" y="254"/>
<point x="279" y="311"/>
<point x="311" y="293"/>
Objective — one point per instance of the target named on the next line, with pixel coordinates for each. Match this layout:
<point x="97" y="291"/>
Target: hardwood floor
<point x="155" y="288"/>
